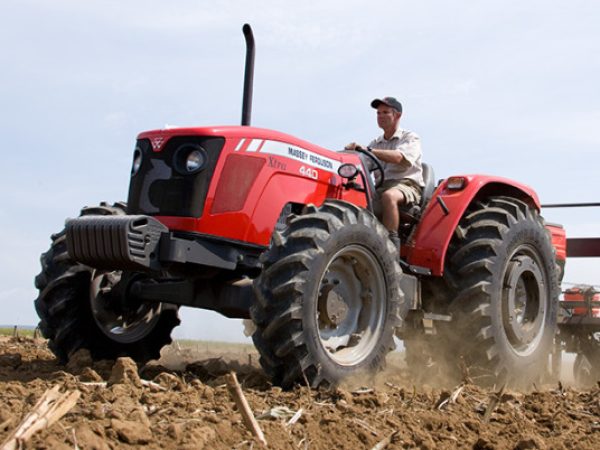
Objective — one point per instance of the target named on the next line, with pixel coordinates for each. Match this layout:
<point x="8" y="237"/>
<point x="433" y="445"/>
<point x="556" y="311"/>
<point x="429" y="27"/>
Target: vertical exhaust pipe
<point x="248" y="75"/>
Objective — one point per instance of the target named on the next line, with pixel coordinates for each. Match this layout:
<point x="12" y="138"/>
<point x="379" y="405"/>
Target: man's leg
<point x="390" y="200"/>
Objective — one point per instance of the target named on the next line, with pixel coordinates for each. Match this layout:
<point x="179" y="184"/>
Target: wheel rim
<point x="524" y="301"/>
<point x="351" y="305"/>
<point x="119" y="325"/>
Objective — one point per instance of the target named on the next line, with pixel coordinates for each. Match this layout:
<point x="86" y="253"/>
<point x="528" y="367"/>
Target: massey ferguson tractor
<point x="257" y="224"/>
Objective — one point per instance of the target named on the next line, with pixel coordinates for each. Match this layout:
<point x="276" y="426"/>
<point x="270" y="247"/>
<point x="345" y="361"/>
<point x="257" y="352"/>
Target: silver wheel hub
<point x="119" y="324"/>
<point x="351" y="307"/>
<point x="524" y="303"/>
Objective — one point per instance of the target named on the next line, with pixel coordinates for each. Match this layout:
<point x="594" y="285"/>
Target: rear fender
<point x="433" y="234"/>
<point x="559" y="242"/>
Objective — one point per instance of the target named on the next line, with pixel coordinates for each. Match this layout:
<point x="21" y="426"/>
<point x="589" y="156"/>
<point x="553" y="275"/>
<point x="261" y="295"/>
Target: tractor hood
<point x="231" y="181"/>
<point x="158" y="138"/>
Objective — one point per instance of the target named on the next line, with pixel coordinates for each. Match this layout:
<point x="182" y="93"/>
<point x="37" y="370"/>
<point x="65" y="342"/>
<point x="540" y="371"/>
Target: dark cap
<point x="388" y="101"/>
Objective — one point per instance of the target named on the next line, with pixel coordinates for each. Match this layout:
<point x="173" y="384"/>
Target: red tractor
<point x="258" y="224"/>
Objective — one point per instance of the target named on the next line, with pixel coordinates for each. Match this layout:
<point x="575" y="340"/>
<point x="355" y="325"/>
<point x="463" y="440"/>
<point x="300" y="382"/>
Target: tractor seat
<point x="411" y="214"/>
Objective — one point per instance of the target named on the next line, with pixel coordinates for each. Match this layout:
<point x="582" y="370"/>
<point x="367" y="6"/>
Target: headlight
<point x="137" y="161"/>
<point x="456" y="183"/>
<point x="190" y="158"/>
<point x="348" y="171"/>
<point x="194" y="161"/>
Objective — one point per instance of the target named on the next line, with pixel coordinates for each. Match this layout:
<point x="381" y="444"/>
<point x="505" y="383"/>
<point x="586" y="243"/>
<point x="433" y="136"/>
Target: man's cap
<point x="388" y="101"/>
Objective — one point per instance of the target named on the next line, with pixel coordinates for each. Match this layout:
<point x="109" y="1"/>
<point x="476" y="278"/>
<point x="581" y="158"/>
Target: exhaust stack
<point x="248" y="75"/>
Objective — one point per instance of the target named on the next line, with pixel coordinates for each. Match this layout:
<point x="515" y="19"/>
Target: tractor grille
<point x="159" y="189"/>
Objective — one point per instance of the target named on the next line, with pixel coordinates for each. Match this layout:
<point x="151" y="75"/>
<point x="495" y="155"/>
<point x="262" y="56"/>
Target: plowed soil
<point x="189" y="406"/>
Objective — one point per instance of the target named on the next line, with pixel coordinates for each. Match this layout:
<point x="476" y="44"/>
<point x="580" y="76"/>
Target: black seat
<point x="429" y="179"/>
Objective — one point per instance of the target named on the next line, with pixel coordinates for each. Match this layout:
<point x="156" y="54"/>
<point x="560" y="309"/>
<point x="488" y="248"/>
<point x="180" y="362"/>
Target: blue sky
<point x="498" y="87"/>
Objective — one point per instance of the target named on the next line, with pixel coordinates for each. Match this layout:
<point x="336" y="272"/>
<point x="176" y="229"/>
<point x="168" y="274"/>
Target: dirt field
<point x="189" y="406"/>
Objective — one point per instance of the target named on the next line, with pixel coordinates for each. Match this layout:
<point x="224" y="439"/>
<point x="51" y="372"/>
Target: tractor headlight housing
<point x="190" y="159"/>
<point x="456" y="183"/>
<point x="137" y="161"/>
<point x="348" y="171"/>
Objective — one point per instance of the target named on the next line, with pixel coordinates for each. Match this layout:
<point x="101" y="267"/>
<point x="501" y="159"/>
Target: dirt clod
<point x="90" y="375"/>
<point x="530" y="443"/>
<point x="87" y="438"/>
<point x="125" y="371"/>
<point x="79" y="360"/>
<point x="12" y="360"/>
<point x="131" y="432"/>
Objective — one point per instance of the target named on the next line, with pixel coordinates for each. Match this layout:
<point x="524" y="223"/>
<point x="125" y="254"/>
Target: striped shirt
<point x="409" y="144"/>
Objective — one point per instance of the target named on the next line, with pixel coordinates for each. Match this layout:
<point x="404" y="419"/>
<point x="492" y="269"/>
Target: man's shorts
<point x="411" y="190"/>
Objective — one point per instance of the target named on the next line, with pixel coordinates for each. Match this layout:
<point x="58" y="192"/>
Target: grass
<point x="213" y="345"/>
<point x="10" y="331"/>
<point x="191" y="344"/>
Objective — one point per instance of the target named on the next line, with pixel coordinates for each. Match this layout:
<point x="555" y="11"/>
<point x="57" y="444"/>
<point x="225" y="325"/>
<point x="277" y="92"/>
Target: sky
<point x="505" y="88"/>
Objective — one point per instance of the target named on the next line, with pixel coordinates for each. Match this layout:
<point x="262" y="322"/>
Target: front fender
<point x="433" y="234"/>
<point x="282" y="188"/>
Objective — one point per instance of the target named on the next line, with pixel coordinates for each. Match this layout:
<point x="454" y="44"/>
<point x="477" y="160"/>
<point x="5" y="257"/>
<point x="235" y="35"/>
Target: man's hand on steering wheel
<point x="378" y="166"/>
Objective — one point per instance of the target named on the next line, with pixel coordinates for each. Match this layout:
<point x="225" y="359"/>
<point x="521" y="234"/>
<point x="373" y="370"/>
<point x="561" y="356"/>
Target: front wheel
<point x="77" y="308"/>
<point x="328" y="298"/>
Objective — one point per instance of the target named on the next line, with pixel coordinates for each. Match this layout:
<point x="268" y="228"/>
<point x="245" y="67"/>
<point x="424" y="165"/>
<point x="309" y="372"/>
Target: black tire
<point x="64" y="306"/>
<point x="501" y="262"/>
<point x="311" y="325"/>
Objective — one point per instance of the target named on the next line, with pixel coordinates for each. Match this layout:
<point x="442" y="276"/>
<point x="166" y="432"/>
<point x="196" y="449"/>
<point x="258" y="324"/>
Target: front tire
<point x="75" y="315"/>
<point x="501" y="261"/>
<point x="328" y="298"/>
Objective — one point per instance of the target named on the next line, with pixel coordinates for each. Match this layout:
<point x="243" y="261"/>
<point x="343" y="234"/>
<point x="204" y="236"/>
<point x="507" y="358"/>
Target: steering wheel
<point x="375" y="160"/>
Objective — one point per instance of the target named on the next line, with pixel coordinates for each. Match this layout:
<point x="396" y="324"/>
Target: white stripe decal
<point x="240" y="145"/>
<point x="302" y="155"/>
<point x="254" y="145"/>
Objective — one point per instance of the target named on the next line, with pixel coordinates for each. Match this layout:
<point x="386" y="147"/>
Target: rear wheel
<point x="77" y="308"/>
<point x="328" y="298"/>
<point x="501" y="261"/>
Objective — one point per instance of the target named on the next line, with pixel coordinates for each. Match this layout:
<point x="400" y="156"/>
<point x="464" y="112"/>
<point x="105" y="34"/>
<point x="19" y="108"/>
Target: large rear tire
<point x="501" y="262"/>
<point x="74" y="313"/>
<point x="328" y="298"/>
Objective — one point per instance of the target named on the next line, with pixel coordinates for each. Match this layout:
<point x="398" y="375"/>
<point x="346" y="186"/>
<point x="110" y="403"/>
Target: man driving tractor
<point x="400" y="152"/>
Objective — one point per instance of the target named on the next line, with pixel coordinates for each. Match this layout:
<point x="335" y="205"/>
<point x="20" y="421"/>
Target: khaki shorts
<point x="411" y="190"/>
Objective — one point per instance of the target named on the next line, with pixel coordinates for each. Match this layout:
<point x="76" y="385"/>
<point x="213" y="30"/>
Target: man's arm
<point x="389" y="156"/>
<point x="406" y="153"/>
